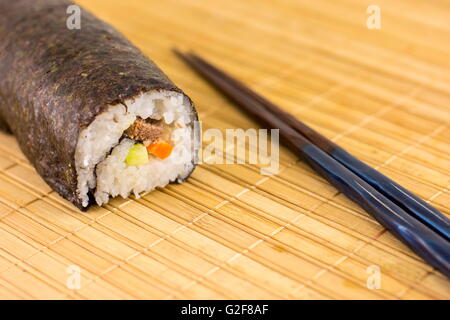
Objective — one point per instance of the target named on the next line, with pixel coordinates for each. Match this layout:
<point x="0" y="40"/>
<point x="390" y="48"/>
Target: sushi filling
<point x="135" y="147"/>
<point x="155" y="138"/>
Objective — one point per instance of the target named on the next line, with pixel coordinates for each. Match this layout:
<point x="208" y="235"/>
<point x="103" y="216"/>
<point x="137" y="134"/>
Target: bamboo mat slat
<point x="230" y="232"/>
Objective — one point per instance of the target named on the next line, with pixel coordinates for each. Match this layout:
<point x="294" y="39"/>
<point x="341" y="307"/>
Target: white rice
<point x="105" y="171"/>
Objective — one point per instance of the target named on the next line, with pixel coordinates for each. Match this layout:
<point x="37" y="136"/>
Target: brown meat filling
<point x="145" y="130"/>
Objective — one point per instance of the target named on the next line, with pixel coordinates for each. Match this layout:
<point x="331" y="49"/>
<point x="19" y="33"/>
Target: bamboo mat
<point x="230" y="232"/>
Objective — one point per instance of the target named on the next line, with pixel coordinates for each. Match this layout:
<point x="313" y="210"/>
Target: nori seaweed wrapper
<point x="55" y="81"/>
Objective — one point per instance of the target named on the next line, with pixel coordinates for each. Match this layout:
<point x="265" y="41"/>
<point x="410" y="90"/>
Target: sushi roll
<point x="95" y="117"/>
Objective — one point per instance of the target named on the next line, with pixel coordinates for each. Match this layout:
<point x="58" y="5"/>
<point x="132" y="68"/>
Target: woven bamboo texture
<point x="230" y="232"/>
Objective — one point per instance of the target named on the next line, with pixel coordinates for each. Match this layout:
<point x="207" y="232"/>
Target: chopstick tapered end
<point x="178" y="53"/>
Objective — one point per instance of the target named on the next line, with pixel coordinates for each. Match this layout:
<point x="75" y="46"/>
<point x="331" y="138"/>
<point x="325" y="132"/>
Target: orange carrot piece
<point x="160" y="149"/>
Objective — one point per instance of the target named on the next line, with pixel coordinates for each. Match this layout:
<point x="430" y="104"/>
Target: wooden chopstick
<point x="415" y="206"/>
<point x="424" y="241"/>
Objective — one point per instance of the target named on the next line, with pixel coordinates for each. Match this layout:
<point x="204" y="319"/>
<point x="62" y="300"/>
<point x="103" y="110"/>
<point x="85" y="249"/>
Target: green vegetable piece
<point x="137" y="155"/>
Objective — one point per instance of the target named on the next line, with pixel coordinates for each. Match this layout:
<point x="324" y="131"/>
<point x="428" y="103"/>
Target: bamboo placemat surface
<point x="230" y="232"/>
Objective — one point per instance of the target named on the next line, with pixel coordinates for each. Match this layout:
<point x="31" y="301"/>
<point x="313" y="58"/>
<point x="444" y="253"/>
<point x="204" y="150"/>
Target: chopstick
<point x="415" y="206"/>
<point x="425" y="242"/>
